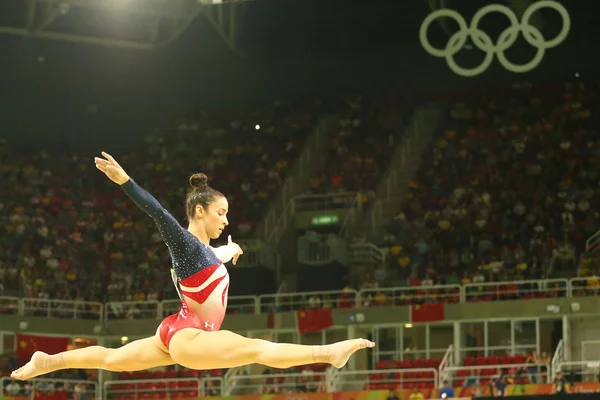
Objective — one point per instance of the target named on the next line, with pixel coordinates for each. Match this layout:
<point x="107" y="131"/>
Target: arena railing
<point x="558" y="357"/>
<point x="39" y="388"/>
<point x="306" y="381"/>
<point x="304" y="300"/>
<point x="367" y="254"/>
<point x="516" y="290"/>
<point x="318" y="250"/>
<point x="579" y="371"/>
<point x="173" y="388"/>
<point x="148" y="309"/>
<point x="485" y="374"/>
<point x="583" y="287"/>
<point x="331" y="381"/>
<point x="9" y="305"/>
<point x="593" y="242"/>
<point x="407" y="295"/>
<point x="281" y="302"/>
<point x="235" y="305"/>
<point x="355" y="381"/>
<point x="447" y="362"/>
<point x="327" y="201"/>
<point x="63" y="309"/>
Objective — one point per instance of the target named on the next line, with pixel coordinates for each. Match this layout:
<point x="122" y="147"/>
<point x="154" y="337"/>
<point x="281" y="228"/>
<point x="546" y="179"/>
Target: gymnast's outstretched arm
<point x="173" y="234"/>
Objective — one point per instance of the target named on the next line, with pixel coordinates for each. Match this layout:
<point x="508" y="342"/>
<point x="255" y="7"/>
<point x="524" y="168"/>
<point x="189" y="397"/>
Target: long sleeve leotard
<point x="188" y="254"/>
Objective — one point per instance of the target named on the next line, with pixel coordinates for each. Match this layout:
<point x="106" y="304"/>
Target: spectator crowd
<point x="509" y="190"/>
<point x="68" y="233"/>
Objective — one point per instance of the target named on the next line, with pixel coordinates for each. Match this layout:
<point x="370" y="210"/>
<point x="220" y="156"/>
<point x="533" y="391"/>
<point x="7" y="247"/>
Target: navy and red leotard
<point x="199" y="275"/>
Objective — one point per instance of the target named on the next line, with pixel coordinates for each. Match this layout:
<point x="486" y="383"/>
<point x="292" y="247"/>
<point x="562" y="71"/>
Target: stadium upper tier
<point x="511" y="176"/>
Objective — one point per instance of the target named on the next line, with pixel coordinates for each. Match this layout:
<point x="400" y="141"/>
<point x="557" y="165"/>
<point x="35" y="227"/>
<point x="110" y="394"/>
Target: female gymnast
<point x="190" y="337"/>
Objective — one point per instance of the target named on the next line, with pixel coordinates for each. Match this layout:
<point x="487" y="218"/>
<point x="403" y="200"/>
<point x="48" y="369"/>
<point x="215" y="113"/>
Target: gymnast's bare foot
<point x="340" y="352"/>
<point x="40" y="363"/>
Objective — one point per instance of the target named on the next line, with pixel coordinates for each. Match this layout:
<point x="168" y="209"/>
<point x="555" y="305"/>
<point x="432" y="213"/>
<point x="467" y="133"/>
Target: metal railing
<point x="305" y="300"/>
<point x="9" y="305"/>
<point x="322" y="249"/>
<point x="354" y="381"/>
<point x="366" y="255"/>
<point x="317" y="380"/>
<point x="141" y="388"/>
<point x="410" y="295"/>
<point x="558" y="357"/>
<point x="235" y="305"/>
<point x="481" y="375"/>
<point x="593" y="242"/>
<point x="72" y="388"/>
<point x="306" y="381"/>
<point x="257" y="253"/>
<point x="327" y="201"/>
<point x="64" y="309"/>
<point x="581" y="371"/>
<point x="148" y="309"/>
<point x="516" y="290"/>
<point x="447" y="362"/>
<point x="388" y="296"/>
<point x="583" y="287"/>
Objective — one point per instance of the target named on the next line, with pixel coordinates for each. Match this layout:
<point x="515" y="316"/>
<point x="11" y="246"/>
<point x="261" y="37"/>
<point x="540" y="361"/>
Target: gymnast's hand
<point x="111" y="168"/>
<point x="238" y="249"/>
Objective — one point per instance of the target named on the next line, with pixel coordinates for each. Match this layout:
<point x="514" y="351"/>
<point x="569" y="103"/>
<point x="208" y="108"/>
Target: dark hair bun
<point x="199" y="181"/>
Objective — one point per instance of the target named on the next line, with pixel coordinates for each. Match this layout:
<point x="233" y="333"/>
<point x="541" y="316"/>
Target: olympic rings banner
<point x="507" y="38"/>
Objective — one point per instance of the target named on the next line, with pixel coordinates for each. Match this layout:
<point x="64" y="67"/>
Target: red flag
<point x="427" y="312"/>
<point x="274" y="321"/>
<point x="29" y="344"/>
<point x="314" y="320"/>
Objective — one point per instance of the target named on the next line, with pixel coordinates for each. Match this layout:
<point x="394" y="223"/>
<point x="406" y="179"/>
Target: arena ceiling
<point x="136" y="24"/>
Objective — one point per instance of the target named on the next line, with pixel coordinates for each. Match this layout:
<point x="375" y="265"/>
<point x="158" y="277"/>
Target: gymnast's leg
<point x="135" y="356"/>
<point x="196" y="349"/>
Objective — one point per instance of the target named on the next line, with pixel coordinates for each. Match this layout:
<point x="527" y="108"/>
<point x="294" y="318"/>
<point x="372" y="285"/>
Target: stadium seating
<point x="509" y="179"/>
<point x="71" y="215"/>
<point x="360" y="152"/>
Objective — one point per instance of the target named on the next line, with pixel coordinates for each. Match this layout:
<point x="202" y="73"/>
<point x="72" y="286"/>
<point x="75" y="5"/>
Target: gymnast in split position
<point x="190" y="337"/>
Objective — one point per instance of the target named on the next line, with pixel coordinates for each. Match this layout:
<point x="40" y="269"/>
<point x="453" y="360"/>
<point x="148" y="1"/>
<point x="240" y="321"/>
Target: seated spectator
<point x="509" y="180"/>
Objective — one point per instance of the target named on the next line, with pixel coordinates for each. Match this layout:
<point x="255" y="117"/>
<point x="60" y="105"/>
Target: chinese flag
<point x="29" y="344"/>
<point x="427" y="312"/>
<point x="314" y="320"/>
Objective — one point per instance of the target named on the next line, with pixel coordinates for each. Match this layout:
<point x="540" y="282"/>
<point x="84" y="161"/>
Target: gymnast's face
<point x="214" y="218"/>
